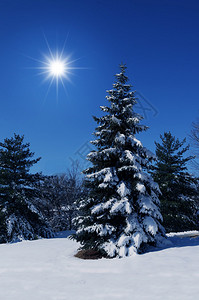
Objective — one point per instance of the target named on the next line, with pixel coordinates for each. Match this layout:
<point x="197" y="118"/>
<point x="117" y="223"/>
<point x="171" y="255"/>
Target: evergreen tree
<point x="178" y="187"/>
<point x="17" y="191"/>
<point x="120" y="214"/>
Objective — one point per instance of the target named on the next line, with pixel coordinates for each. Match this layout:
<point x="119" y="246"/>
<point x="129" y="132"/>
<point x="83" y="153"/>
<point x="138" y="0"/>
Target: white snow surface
<point x="46" y="269"/>
<point x="122" y="190"/>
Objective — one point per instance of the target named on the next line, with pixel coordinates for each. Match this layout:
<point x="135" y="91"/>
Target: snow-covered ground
<point x="47" y="270"/>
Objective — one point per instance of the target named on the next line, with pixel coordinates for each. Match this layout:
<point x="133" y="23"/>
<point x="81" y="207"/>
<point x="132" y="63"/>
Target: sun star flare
<point x="56" y="67"/>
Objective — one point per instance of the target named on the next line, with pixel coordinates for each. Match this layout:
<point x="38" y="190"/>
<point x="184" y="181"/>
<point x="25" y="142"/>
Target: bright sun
<point x="57" y="68"/>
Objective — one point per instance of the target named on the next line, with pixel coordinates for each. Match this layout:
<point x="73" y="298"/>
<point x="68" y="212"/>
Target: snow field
<point x="47" y="269"/>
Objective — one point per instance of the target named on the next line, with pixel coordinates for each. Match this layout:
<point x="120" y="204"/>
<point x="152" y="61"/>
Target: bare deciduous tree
<point x="58" y="196"/>
<point x="194" y="138"/>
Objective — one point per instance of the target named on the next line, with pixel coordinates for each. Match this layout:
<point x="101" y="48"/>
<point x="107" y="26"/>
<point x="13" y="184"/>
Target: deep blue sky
<point x="158" y="40"/>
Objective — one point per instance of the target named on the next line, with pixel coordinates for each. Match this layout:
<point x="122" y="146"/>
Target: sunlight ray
<point x="48" y="46"/>
<point x="61" y="54"/>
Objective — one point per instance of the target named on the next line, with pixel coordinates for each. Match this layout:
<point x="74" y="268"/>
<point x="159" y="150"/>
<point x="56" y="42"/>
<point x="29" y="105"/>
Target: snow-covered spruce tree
<point x="120" y="214"/>
<point x="179" y="198"/>
<point x="17" y="191"/>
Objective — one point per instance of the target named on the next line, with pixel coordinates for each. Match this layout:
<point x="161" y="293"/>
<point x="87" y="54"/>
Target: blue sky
<point x="158" y="40"/>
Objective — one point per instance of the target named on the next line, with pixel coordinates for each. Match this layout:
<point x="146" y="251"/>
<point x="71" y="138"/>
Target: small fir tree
<point x="120" y="214"/>
<point x="17" y="191"/>
<point x="178" y="187"/>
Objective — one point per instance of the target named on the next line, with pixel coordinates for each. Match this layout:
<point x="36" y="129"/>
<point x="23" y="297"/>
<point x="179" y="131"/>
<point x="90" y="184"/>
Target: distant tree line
<point x="126" y="199"/>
